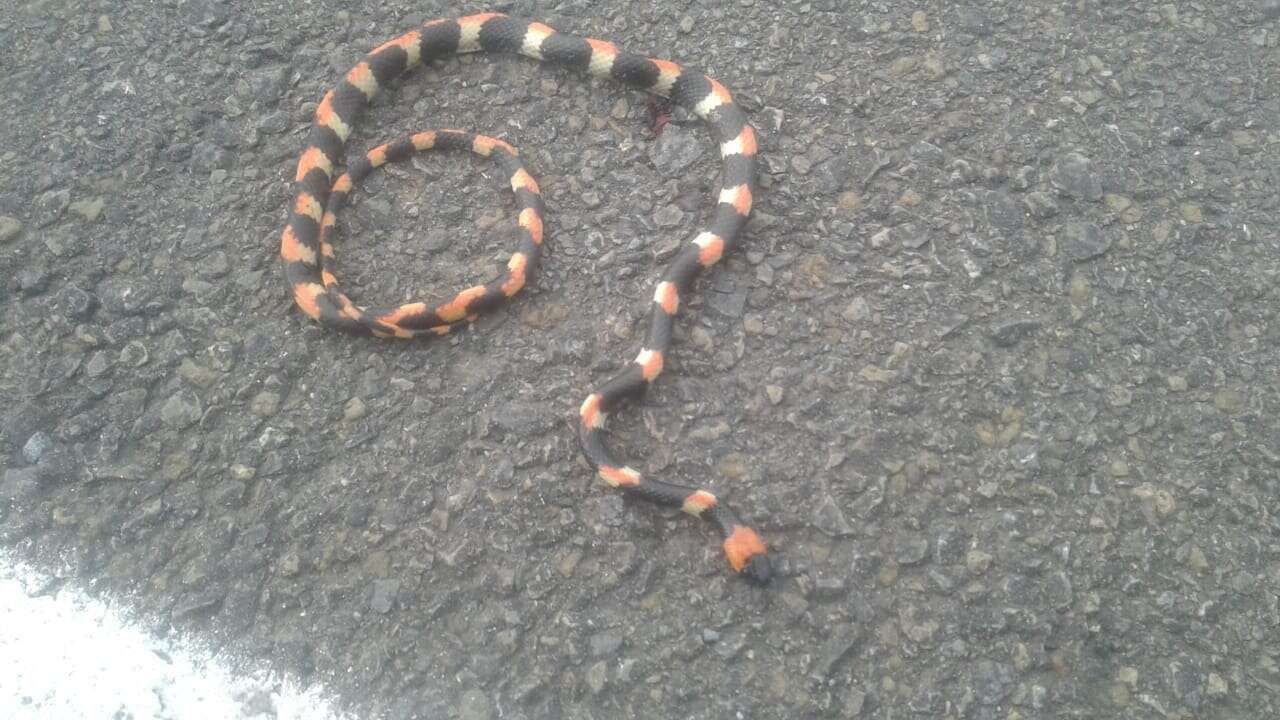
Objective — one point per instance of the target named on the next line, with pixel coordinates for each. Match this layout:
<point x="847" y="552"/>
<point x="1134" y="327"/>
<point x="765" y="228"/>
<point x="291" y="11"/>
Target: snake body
<point x="305" y="245"/>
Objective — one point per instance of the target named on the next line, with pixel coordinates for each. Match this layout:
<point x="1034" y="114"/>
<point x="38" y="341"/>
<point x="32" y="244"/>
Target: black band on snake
<point x="305" y="243"/>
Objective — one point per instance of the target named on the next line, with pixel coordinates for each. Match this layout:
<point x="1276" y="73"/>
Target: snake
<point x="306" y="243"/>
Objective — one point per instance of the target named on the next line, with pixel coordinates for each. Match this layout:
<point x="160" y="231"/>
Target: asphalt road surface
<point x="993" y="372"/>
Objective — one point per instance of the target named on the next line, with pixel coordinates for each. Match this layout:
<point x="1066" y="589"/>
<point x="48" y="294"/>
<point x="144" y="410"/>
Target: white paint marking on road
<point x="66" y="655"/>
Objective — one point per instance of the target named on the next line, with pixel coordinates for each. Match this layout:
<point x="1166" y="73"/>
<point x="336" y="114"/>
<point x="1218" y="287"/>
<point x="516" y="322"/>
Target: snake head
<point x="759" y="570"/>
<point x="746" y="553"/>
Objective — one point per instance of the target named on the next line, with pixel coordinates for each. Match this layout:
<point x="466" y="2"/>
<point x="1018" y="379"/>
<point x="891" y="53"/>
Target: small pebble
<point x="1084" y="241"/>
<point x="1228" y="400"/>
<point x="36" y="446"/>
<point x="384" y="595"/>
<point x="134" y="354"/>
<point x="90" y="210"/>
<point x="265" y="404"/>
<point x="181" y="409"/>
<point x="33" y="280"/>
<point x="774" y="392"/>
<point x="1040" y="205"/>
<point x="73" y="302"/>
<point x="911" y="549"/>
<point x="9" y="228"/>
<point x="597" y="677"/>
<point x="605" y="644"/>
<point x="668" y="216"/>
<point x="1007" y="334"/>
<point x="1073" y="175"/>
<point x="977" y="561"/>
<point x="98" y="365"/>
<point x="675" y="150"/>
<point x="1197" y="560"/>
<point x="354" y="410"/>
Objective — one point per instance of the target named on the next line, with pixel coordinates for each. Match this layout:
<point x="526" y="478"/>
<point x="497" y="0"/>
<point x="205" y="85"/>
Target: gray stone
<point x="123" y="297"/>
<point x="9" y="228"/>
<point x="1072" y="175"/>
<point x="72" y="303"/>
<point x="854" y="703"/>
<point x="949" y="542"/>
<point x="608" y="510"/>
<point x="355" y="409"/>
<point x="268" y="84"/>
<point x="384" y="595"/>
<point x="974" y="21"/>
<point x="928" y="154"/>
<point x="1003" y="211"/>
<point x="36" y="446"/>
<point x="910" y="549"/>
<point x="857" y="310"/>
<point x="994" y="59"/>
<point x="675" y="150"/>
<point x="992" y="681"/>
<point x="48" y="206"/>
<point x="841" y="642"/>
<point x="830" y="519"/>
<point x="833" y="175"/>
<point x="1040" y="205"/>
<point x="1059" y="590"/>
<point x="215" y="265"/>
<point x="912" y="237"/>
<point x="668" y="216"/>
<point x="597" y="677"/>
<point x="90" y="209"/>
<point x="475" y="706"/>
<point x="827" y="588"/>
<point x="197" y="604"/>
<point x="605" y="643"/>
<point x="181" y="409"/>
<point x="1084" y="241"/>
<point x="437" y="240"/>
<point x="265" y="404"/>
<point x="60" y="464"/>
<point x="523" y="419"/>
<point x="18" y="485"/>
<point x="710" y="430"/>
<point x="1023" y="178"/>
<point x="1007" y="334"/>
<point x="729" y="644"/>
<point x="1187" y="683"/>
<point x="33" y="280"/>
<point x="274" y="123"/>
<point x="728" y="304"/>
<point x="1176" y="136"/>
<point x="99" y="365"/>
<point x="229" y="494"/>
<point x="207" y="156"/>
<point x="870" y="499"/>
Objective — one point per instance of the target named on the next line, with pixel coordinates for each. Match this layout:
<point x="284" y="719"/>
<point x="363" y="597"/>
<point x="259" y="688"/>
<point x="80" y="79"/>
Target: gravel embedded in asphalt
<point x="993" y="371"/>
